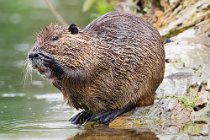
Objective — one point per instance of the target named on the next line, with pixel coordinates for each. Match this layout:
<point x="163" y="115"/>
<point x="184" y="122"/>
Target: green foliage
<point x="100" y="7"/>
<point x="103" y="7"/>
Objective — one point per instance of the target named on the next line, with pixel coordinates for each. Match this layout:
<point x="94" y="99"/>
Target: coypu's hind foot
<point x="105" y="117"/>
<point x="80" y="118"/>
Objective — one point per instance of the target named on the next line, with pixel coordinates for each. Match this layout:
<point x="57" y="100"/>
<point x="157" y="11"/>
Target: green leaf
<point x="103" y="7"/>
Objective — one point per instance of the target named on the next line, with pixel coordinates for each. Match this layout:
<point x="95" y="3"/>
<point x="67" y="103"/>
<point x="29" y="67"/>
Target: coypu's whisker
<point x="28" y="70"/>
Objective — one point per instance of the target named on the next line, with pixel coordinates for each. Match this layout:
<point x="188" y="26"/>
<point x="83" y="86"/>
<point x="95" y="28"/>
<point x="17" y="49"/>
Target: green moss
<point x="138" y="123"/>
<point x="187" y="102"/>
<point x="165" y="97"/>
<point x="175" y="32"/>
<point x="191" y="128"/>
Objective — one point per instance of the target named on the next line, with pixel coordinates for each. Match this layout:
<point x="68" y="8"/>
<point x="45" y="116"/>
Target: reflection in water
<point x="115" y="134"/>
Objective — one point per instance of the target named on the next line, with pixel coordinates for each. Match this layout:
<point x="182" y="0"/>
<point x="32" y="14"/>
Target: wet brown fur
<point x="116" y="61"/>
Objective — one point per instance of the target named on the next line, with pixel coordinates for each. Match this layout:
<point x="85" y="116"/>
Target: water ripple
<point x="12" y="94"/>
<point x="49" y="97"/>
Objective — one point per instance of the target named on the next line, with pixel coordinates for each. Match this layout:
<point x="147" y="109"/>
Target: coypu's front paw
<point x="46" y="65"/>
<point x="53" y="65"/>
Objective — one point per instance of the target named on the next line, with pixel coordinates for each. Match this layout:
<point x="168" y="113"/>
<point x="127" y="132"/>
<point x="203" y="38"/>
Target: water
<point x="34" y="109"/>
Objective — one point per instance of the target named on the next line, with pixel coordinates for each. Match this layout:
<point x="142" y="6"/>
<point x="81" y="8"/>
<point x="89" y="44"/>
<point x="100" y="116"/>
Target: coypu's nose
<point x="33" y="55"/>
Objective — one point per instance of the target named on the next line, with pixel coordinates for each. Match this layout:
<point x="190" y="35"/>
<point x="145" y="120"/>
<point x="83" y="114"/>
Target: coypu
<point x="114" y="64"/>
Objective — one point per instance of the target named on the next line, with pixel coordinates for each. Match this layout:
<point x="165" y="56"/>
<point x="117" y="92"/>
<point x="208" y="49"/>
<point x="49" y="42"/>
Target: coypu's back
<point x="118" y="26"/>
<point x="131" y="36"/>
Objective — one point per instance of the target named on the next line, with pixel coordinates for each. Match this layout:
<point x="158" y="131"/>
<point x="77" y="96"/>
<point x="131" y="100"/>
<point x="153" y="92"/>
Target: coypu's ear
<point x="73" y="29"/>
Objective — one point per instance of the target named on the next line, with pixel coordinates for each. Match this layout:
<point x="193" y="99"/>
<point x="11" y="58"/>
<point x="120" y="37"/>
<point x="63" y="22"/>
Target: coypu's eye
<point x="73" y="29"/>
<point x="55" y="38"/>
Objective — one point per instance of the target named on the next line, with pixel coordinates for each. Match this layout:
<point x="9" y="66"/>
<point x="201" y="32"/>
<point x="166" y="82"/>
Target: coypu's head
<point x="64" y="44"/>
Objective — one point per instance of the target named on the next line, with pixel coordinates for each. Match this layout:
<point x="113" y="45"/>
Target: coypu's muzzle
<point x="38" y="61"/>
